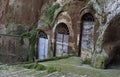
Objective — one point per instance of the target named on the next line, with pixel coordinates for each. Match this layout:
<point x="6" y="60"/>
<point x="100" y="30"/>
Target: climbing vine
<point x="49" y="13"/>
<point x="31" y="35"/>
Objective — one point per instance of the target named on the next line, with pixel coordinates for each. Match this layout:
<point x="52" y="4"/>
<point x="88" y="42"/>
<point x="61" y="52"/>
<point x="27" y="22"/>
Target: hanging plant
<point x="31" y="35"/>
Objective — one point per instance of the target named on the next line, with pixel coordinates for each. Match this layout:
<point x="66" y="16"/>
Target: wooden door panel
<point x="42" y="48"/>
<point x="87" y="36"/>
<point x="46" y="48"/>
<point x="61" y="44"/>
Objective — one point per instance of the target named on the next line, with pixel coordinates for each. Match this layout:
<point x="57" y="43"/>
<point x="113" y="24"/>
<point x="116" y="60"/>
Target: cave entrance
<point x="61" y="40"/>
<point x="112" y="43"/>
<point x="115" y="62"/>
<point x="87" y="35"/>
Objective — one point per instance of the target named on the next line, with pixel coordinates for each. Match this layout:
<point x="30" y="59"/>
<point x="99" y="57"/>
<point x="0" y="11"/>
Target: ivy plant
<point x="49" y="14"/>
<point x="31" y="35"/>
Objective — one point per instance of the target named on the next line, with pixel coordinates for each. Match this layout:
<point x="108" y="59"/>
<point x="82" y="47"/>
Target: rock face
<point x="24" y="11"/>
<point x="3" y="6"/>
<point x="109" y="11"/>
<point x="16" y="17"/>
<point x="71" y="17"/>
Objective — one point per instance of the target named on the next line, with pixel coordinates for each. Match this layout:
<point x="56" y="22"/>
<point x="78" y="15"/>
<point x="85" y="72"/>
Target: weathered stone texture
<point x="25" y="11"/>
<point x="108" y="31"/>
<point x="3" y="6"/>
<point x="11" y="49"/>
<point x="16" y="17"/>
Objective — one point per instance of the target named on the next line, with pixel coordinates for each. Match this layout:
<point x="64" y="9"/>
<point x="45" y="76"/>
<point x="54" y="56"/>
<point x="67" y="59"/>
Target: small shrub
<point x="35" y="66"/>
<point x="22" y="59"/>
<point x="100" y="61"/>
<point x="86" y="61"/>
<point x="29" y="66"/>
<point x="72" y="53"/>
<point x="51" y="69"/>
<point x="3" y="68"/>
<point x="40" y="67"/>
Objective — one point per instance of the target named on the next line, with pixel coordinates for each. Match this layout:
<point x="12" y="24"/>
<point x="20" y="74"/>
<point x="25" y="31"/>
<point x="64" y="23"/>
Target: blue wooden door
<point x="43" y="48"/>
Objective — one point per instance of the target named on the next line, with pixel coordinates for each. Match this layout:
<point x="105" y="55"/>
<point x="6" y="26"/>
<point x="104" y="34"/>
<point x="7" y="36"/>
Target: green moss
<point x="51" y="69"/>
<point x="49" y="13"/>
<point x="86" y="61"/>
<point x="50" y="52"/>
<point x="100" y="60"/>
<point x="31" y="35"/>
<point x="3" y="68"/>
<point x="72" y="65"/>
<point x="90" y="6"/>
<point x="30" y="66"/>
<point x="40" y="67"/>
<point x="72" y="52"/>
<point x="22" y="59"/>
<point x="15" y="28"/>
<point x="35" y="66"/>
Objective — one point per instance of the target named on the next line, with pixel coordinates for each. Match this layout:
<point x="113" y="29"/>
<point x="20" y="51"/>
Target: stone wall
<point x="11" y="50"/>
<point x="105" y="13"/>
<point x="17" y="17"/>
<point x="25" y="12"/>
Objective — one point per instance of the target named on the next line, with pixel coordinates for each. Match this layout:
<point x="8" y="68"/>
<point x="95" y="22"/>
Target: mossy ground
<point x="74" y="65"/>
<point x="68" y="67"/>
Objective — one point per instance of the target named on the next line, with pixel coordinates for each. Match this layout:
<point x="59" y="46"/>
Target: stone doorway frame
<point x="38" y="36"/>
<point x="65" y="18"/>
<point x="57" y="30"/>
<point x="87" y="17"/>
<point x="96" y="26"/>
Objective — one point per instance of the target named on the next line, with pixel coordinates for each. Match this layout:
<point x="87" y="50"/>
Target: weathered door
<point x="43" y="48"/>
<point x="62" y="37"/>
<point x="61" y="44"/>
<point x="87" y="36"/>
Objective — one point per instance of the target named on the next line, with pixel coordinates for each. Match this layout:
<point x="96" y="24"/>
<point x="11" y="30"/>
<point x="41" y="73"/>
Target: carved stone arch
<point x="42" y="34"/>
<point x="64" y="18"/>
<point x="61" y="40"/>
<point x="83" y="12"/>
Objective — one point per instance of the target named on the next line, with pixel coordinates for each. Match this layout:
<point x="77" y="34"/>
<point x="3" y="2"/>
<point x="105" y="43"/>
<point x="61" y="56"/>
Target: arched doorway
<point x="61" y="40"/>
<point x="42" y="46"/>
<point x="87" y="35"/>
